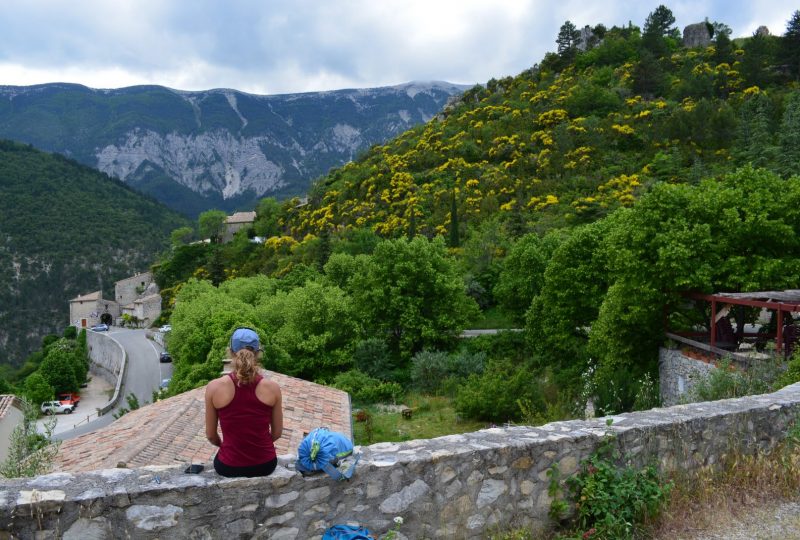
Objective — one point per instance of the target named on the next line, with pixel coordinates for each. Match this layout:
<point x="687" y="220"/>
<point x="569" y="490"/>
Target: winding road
<point x="143" y="375"/>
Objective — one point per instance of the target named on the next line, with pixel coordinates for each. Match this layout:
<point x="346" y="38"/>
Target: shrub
<point x="792" y="373"/>
<point x="495" y="394"/>
<point x="432" y="371"/>
<point x="70" y="332"/>
<point x="611" y="502"/>
<point x="728" y="382"/>
<point x="366" y="389"/>
<point x="372" y="357"/>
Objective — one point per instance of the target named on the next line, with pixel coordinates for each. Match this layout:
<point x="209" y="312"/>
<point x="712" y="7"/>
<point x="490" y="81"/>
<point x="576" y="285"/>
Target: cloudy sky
<point x="281" y="46"/>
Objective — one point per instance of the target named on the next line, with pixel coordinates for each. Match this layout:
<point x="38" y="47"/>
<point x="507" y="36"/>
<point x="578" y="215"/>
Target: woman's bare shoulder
<point x="269" y="384"/>
<point x="218" y="383"/>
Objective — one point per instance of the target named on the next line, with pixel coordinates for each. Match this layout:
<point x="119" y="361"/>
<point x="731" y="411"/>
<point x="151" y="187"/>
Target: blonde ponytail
<point x="245" y="365"/>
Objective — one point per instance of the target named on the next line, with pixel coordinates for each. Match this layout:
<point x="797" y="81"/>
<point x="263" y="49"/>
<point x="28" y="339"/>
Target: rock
<point x="400" y="502"/>
<point x="280" y="520"/>
<point x="281" y="499"/>
<point x="587" y="38"/>
<point x="285" y="534"/>
<point x="490" y="491"/>
<point x="153" y="518"/>
<point x="696" y="35"/>
<point x="318" y="494"/>
<point x="240" y="526"/>
<point x="89" y="529"/>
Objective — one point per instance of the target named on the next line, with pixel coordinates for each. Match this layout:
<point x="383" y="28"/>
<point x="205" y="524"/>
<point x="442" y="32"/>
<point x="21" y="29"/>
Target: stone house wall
<point x="459" y="486"/>
<point x="91" y="310"/>
<point x="129" y="289"/>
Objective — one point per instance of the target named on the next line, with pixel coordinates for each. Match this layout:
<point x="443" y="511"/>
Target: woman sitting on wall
<point x="249" y="412"/>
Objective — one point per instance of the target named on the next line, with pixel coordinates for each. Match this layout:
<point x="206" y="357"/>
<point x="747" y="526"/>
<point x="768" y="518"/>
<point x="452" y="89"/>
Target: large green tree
<point x="211" y="224"/>
<point x="62" y="368"/>
<point x="202" y="322"/>
<point x="36" y="388"/>
<point x="315" y="325"/>
<point x="412" y="295"/>
<point x="523" y="273"/>
<point x="567" y="40"/>
<point x="658" y="26"/>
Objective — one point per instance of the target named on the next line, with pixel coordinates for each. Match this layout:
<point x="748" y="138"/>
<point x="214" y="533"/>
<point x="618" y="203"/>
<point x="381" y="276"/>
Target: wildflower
<point x="398" y="520"/>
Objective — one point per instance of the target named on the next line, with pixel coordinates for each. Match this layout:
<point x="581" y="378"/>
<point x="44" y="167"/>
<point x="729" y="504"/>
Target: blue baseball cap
<point x="245" y="337"/>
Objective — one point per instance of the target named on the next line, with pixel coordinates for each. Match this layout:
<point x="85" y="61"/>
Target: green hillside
<point x="573" y="138"/>
<point x="65" y="230"/>
<point x="577" y="200"/>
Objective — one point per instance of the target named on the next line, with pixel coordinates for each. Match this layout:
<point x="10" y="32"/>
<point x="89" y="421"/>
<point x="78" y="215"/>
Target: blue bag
<point x="347" y="532"/>
<point x="323" y="450"/>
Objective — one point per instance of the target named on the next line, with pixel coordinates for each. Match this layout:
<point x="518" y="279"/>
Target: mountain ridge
<point x="228" y="147"/>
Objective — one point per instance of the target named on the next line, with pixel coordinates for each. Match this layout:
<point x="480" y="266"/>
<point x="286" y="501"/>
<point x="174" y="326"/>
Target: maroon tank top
<point x="245" y="423"/>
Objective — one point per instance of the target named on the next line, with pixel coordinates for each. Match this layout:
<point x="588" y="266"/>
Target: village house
<point x="136" y="296"/>
<point x="237" y="222"/>
<point x="90" y="309"/>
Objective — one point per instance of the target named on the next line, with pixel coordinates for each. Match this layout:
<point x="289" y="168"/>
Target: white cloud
<point x="302" y="45"/>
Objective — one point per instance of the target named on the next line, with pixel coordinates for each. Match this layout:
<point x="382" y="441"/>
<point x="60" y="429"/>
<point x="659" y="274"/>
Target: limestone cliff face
<point x="217" y="148"/>
<point x="207" y="162"/>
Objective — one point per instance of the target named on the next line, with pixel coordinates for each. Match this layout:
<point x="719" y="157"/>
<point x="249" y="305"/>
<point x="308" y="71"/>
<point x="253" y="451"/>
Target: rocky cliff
<point x="216" y="148"/>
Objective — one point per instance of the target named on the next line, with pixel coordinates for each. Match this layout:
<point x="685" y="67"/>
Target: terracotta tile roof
<point x="96" y="295"/>
<point x="241" y="217"/>
<point x="150" y="298"/>
<point x="6" y="402"/>
<point x="172" y="430"/>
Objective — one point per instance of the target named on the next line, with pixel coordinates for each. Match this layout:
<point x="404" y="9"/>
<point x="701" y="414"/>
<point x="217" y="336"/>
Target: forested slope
<point x="65" y="230"/>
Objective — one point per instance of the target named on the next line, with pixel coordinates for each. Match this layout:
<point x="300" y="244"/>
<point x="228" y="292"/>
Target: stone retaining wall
<point x="459" y="486"/>
<point x="678" y="374"/>
<point x="108" y="361"/>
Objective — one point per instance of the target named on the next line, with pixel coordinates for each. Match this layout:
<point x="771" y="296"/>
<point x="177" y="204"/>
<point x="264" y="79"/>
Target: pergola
<point x="781" y="302"/>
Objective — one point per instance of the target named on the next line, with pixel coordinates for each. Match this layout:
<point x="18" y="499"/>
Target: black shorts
<point x="265" y="469"/>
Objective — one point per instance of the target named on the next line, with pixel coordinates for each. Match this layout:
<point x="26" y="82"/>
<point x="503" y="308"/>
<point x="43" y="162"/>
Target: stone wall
<point x="129" y="289"/>
<point x="108" y="361"/>
<point x="678" y="374"/>
<point x="459" y="486"/>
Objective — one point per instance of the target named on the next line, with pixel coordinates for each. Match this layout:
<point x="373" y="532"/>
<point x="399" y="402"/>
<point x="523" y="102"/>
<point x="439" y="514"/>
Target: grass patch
<point x="493" y="318"/>
<point x="432" y="416"/>
<point x="711" y="499"/>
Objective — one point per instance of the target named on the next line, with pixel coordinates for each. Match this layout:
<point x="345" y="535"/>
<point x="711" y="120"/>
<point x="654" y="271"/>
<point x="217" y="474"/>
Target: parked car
<point x="69" y="398"/>
<point x="100" y="328"/>
<point x="56" y="407"/>
<point x="166" y="328"/>
<point x="165" y="357"/>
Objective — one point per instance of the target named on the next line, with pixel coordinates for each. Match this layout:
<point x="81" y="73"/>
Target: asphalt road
<point x="144" y="372"/>
<point x="143" y="375"/>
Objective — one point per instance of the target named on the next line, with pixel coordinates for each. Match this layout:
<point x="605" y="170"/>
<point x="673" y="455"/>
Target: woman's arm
<point x="276" y="425"/>
<point x="211" y="416"/>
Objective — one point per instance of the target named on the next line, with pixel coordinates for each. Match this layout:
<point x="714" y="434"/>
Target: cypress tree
<point x="455" y="240"/>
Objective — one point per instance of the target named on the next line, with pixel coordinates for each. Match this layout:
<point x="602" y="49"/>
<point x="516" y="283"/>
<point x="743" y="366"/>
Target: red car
<point x="69" y="398"/>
